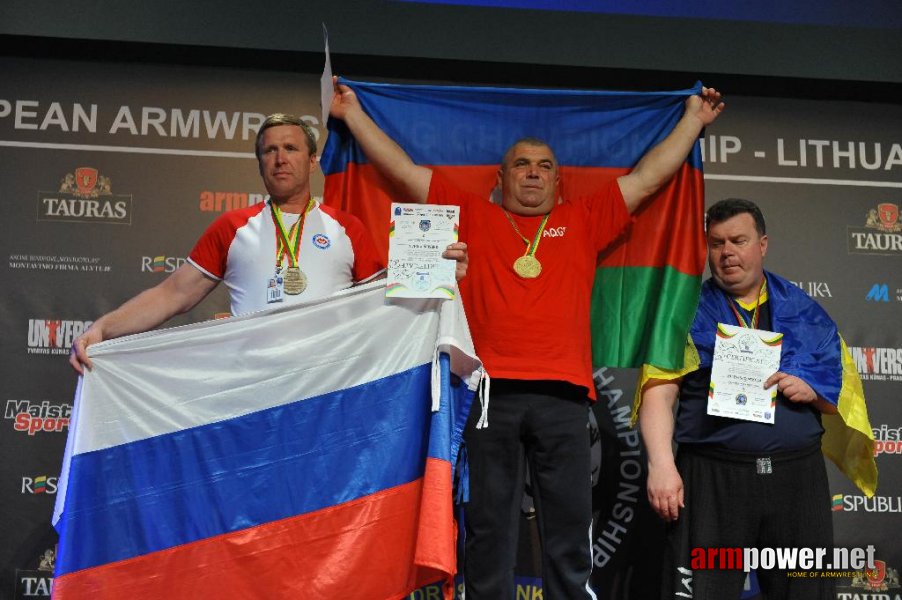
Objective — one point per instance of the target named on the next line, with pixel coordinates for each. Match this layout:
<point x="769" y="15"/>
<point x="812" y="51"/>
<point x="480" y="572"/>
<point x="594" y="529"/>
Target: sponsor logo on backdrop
<point x="875" y="504"/>
<point x="37" y="583"/>
<point x="887" y="440"/>
<point x="85" y="196"/>
<point x="877" y="364"/>
<point x="211" y="201"/>
<point x="879" y="292"/>
<point x="35" y="417"/>
<point x="53" y="336"/>
<point x="881" y="234"/>
<point x="881" y="578"/>
<point x="161" y="264"/>
<point x="39" y="484"/>
<point x="815" y="289"/>
<point x="54" y="262"/>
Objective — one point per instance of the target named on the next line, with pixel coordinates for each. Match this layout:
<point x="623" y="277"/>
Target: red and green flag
<point x="647" y="285"/>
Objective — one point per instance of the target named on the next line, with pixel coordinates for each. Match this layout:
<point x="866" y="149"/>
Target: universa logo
<point x="815" y="289"/>
<point x="85" y="196"/>
<point x="53" y="336"/>
<point x="161" y="263"/>
<point x="33" y="417"/>
<point x="881" y="234"/>
<point x="877" y="364"/>
<point x="222" y="201"/>
<point x="39" y="484"/>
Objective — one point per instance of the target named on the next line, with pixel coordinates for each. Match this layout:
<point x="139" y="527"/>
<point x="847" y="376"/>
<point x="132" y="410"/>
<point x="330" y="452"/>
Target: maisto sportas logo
<point x="53" y="336"/>
<point x="85" y="196"/>
<point x="161" y="264"/>
<point x="887" y="440"/>
<point x="881" y="234"/>
<point x="39" y="484"/>
<point x="32" y="417"/>
<point x="877" y="364"/>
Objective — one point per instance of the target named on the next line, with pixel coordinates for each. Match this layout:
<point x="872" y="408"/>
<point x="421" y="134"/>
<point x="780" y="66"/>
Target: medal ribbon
<point x="531" y="248"/>
<point x="288" y="243"/>
<point x="740" y="318"/>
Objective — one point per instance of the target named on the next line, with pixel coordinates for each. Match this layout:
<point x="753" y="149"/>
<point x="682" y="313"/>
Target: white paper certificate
<point x="743" y="360"/>
<point x="419" y="234"/>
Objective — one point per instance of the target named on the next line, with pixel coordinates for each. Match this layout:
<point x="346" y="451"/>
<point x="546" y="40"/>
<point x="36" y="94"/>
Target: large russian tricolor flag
<point x="303" y="452"/>
<point x="646" y="288"/>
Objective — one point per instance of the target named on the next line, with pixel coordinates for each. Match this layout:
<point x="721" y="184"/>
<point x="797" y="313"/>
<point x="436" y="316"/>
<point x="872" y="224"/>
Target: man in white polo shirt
<point x="289" y="249"/>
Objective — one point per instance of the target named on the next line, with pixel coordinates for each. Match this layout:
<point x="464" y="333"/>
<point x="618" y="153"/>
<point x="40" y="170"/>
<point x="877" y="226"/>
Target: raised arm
<point x="178" y="293"/>
<point x="665" y="486"/>
<point x="382" y="152"/>
<point x="661" y="162"/>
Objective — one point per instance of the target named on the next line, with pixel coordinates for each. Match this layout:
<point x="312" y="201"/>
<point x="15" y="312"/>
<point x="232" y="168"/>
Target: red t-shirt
<point x="533" y="328"/>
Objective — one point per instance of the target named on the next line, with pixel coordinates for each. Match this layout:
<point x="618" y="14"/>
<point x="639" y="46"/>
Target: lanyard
<point x="531" y="247"/>
<point x="288" y="243"/>
<point x="740" y="318"/>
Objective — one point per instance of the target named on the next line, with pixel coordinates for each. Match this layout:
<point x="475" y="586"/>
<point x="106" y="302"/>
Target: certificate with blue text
<point x="743" y="360"/>
<point x="418" y="235"/>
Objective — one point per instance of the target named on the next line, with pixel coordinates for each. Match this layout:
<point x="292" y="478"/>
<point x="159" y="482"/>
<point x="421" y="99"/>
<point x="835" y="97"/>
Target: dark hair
<point x="726" y="209"/>
<point x="529" y="141"/>
<point x="276" y="119"/>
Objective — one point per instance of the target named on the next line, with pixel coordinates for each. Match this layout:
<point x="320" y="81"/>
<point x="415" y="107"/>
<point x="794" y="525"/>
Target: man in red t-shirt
<point x="527" y="302"/>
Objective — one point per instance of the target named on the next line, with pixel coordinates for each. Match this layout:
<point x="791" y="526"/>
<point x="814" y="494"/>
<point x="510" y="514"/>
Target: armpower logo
<point x="53" y="336"/>
<point x="85" y="196"/>
<point x="33" y="417"/>
<point x="211" y="201"/>
<point x="881" y="234"/>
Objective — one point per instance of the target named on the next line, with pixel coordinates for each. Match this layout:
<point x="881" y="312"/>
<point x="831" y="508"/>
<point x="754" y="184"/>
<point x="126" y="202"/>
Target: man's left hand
<point x="792" y="388"/>
<point x="458" y="251"/>
<point x="706" y="106"/>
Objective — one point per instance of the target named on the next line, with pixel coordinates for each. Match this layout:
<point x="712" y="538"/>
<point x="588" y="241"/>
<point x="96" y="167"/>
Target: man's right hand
<point x="665" y="491"/>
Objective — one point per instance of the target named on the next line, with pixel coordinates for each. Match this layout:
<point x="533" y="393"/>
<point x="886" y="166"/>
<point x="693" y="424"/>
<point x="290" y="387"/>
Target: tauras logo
<point x="881" y="234"/>
<point x="53" y="336"/>
<point x="85" y="196"/>
<point x="33" y="417"/>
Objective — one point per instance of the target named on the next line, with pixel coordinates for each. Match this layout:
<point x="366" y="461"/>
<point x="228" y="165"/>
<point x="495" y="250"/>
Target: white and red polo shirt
<point x="239" y="248"/>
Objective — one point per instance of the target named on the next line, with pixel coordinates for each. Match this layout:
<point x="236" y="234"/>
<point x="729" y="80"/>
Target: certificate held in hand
<point x="418" y="235"/>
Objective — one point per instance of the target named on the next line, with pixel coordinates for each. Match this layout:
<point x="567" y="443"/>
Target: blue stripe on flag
<point x="272" y="464"/>
<point x="459" y="126"/>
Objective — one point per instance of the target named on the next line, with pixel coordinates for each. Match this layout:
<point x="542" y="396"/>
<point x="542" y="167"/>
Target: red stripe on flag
<point x="361" y="549"/>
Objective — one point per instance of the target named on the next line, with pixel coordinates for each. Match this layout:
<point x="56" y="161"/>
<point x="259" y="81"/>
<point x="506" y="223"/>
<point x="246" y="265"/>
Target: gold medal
<point x="294" y="281"/>
<point x="527" y="267"/>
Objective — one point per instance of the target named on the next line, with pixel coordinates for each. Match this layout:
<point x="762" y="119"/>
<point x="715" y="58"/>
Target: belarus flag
<point x="646" y="288"/>
<point x="302" y="452"/>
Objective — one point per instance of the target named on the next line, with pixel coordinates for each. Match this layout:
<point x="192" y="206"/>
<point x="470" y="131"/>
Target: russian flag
<point x="300" y="452"/>
<point x="647" y="286"/>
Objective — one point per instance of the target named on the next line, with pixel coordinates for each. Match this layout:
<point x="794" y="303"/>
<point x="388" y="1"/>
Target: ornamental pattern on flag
<point x="646" y="287"/>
